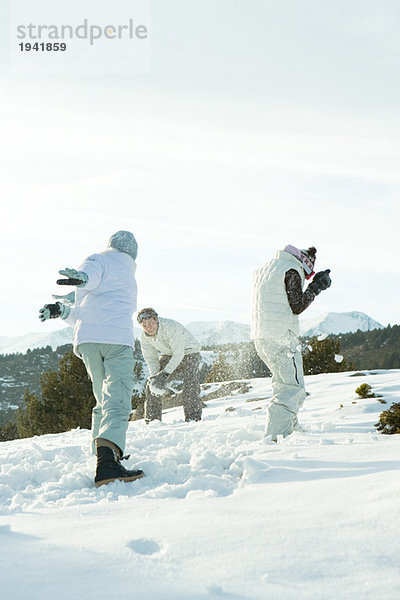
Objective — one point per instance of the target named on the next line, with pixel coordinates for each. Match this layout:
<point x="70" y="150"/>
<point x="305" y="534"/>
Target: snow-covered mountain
<point x="347" y="322"/>
<point x="208" y="333"/>
<point x="21" y="343"/>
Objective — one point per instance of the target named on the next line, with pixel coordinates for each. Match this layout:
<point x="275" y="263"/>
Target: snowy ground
<point x="221" y="513"/>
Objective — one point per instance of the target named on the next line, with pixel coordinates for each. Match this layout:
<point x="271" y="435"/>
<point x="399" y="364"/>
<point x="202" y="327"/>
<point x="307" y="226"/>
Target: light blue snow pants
<point x="110" y="368"/>
<point x="285" y="362"/>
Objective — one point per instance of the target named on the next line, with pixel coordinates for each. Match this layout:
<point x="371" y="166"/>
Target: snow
<point x="221" y="513"/>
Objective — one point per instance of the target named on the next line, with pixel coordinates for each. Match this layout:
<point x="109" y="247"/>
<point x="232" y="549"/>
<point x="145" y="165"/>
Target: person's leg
<point x="93" y="361"/>
<point x="117" y="393"/>
<point x="152" y="406"/>
<point x="108" y="467"/>
<point x="192" y="405"/>
<point x="110" y="368"/>
<point x="287" y="386"/>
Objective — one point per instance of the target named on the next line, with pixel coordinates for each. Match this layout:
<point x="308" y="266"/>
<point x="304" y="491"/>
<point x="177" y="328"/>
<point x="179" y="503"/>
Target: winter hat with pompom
<point x="306" y="257"/>
<point x="124" y="241"/>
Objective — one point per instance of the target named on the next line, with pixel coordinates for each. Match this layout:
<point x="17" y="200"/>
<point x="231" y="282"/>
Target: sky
<point x="259" y="124"/>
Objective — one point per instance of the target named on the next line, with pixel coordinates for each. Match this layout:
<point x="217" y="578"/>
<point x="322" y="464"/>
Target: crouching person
<point x="169" y="349"/>
<point x="101" y="315"/>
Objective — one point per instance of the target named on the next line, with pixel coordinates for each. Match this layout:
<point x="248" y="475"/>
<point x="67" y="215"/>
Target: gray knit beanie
<point x="124" y="241"/>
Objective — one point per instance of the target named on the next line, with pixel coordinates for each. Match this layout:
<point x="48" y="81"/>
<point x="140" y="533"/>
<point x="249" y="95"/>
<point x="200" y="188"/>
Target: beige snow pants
<point x="285" y="362"/>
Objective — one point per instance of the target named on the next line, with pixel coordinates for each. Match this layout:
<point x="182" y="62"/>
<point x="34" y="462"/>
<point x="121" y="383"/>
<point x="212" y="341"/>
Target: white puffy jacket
<point x="272" y="316"/>
<point x="172" y="339"/>
<point x="104" y="307"/>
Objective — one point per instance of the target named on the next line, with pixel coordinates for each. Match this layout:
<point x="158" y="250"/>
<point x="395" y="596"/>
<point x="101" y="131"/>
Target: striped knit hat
<point x="306" y="257"/>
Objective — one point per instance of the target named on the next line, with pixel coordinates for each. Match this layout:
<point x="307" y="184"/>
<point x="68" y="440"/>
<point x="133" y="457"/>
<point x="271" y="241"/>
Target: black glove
<point x="320" y="282"/>
<point x="74" y="277"/>
<point x="50" y="311"/>
<point x="69" y="281"/>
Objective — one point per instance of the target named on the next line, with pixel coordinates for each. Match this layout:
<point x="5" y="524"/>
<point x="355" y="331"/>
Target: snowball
<point x="338" y="358"/>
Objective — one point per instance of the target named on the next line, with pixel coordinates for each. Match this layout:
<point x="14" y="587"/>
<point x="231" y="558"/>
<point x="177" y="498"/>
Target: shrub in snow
<point x="365" y="391"/>
<point x="389" y="420"/>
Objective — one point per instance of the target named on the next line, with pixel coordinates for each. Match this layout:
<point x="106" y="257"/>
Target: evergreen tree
<point x="67" y="401"/>
<point x="9" y="432"/>
<point x="321" y="359"/>
<point x="250" y="364"/>
<point x="138" y="369"/>
<point x="221" y="370"/>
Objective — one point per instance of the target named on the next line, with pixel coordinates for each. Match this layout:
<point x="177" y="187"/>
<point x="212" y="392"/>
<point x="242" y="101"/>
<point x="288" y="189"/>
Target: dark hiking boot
<point x="109" y="468"/>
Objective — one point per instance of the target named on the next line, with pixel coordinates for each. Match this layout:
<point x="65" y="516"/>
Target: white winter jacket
<point x="272" y="316"/>
<point x="104" y="307"/>
<point x="172" y="339"/>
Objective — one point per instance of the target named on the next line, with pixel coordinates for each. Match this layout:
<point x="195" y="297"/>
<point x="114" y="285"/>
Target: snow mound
<point x="221" y="512"/>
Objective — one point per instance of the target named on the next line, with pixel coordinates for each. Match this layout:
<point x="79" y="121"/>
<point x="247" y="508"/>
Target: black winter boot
<point x="109" y="468"/>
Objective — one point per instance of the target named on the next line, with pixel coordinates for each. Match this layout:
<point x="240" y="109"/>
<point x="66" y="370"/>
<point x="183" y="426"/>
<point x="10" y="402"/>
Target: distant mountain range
<point x="21" y="343"/>
<point x="347" y="322"/>
<point x="213" y="333"/>
<point x="209" y="333"/>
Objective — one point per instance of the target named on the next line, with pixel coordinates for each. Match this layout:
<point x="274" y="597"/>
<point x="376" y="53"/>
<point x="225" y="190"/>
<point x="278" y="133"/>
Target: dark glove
<point x="74" y="277"/>
<point x="158" y="383"/>
<point x="320" y="282"/>
<point x="53" y="311"/>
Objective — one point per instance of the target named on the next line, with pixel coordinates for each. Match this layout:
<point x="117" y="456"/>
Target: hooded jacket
<point x="272" y="315"/>
<point x="104" y="307"/>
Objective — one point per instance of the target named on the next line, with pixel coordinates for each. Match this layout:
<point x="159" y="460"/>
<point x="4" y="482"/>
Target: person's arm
<point x="70" y="318"/>
<point x="150" y="356"/>
<point x="298" y="300"/>
<point x="94" y="268"/>
<point x="176" y="340"/>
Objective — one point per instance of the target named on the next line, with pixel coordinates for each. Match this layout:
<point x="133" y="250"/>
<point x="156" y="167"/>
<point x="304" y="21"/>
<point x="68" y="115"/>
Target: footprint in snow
<point x="144" y="546"/>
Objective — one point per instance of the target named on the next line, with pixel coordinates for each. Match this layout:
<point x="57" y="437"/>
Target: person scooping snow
<point x="169" y="349"/>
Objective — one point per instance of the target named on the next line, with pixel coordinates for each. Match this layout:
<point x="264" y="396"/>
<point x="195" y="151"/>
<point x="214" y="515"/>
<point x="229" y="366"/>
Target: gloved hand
<point x="320" y="282"/>
<point x="158" y="383"/>
<point x="68" y="299"/>
<point x="53" y="311"/>
<point x="78" y="278"/>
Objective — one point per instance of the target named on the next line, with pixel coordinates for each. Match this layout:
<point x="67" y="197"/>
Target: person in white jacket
<point x="169" y="349"/>
<point x="278" y="299"/>
<point x="101" y="315"/>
